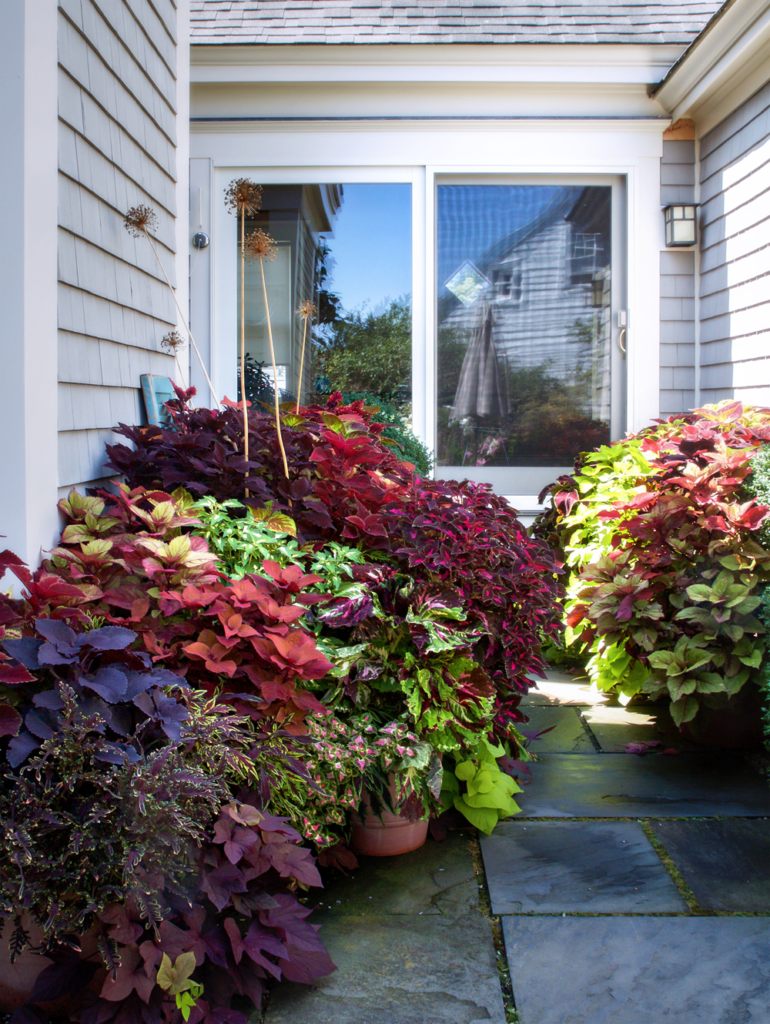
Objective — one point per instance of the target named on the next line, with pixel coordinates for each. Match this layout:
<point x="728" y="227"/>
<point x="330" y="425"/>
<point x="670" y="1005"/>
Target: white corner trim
<point x="28" y="276"/>
<point x="727" y="55"/>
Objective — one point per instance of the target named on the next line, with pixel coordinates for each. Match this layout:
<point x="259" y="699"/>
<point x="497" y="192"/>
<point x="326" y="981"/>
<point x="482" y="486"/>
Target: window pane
<point x="523" y="327"/>
<point x="347" y="249"/>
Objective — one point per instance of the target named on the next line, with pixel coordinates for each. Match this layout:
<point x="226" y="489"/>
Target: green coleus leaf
<point x="276" y="521"/>
<point x="700" y="592"/>
<point x="684" y="710"/>
<point x="754" y="660"/>
<point x="711" y="682"/>
<point x="679" y="688"/>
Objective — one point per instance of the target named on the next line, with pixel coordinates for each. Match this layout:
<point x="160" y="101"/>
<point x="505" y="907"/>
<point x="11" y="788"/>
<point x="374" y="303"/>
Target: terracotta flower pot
<point x="386" y="834"/>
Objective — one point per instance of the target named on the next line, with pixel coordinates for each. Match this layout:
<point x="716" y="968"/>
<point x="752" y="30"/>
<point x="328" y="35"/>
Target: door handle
<point x="622" y="321"/>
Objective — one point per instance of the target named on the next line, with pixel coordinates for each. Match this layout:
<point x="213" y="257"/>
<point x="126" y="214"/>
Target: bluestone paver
<point x="576" y="866"/>
<point x="640" y="970"/>
<point x="613" y="727"/>
<point x="565" y="733"/>
<point x="624" y="785"/>
<point x="410" y="944"/>
<point x="726" y="863"/>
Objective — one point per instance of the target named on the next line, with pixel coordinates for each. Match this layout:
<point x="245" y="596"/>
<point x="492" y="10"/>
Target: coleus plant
<point x="136" y="834"/>
<point x="123" y="559"/>
<point x="666" y="568"/>
<point x="338" y="464"/>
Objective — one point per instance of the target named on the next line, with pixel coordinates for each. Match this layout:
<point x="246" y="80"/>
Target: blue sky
<point x="372" y="245"/>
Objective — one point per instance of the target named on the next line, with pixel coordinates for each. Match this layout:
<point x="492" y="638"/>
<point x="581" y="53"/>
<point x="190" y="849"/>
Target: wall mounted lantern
<point x="681" y="225"/>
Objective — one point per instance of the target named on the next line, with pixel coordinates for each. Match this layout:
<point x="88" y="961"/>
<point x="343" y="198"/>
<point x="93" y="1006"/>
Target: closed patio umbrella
<point x="481" y="390"/>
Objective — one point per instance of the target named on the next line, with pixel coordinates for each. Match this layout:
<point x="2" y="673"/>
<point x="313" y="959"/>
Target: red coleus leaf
<point x="215" y="655"/>
<point x="10" y="719"/>
<point x="15" y="675"/>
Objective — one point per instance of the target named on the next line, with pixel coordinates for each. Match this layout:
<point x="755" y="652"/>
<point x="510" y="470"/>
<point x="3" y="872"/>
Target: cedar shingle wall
<point x="117" y="148"/>
<point x="735" y="260"/>
<point x="677" y="288"/>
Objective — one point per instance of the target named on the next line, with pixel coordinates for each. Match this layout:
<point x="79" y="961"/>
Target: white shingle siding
<point x="677" y="288"/>
<point x="117" y="149"/>
<point x="735" y="260"/>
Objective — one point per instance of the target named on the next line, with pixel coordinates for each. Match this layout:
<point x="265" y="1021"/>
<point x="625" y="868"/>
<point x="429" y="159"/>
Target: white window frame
<point x="422" y="153"/>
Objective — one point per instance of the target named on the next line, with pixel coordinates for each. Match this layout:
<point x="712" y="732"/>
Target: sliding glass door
<point x="526" y="372"/>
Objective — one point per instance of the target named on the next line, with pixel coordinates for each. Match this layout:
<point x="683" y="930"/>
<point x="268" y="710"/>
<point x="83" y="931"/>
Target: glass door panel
<point x="524" y="330"/>
<point x="347" y="249"/>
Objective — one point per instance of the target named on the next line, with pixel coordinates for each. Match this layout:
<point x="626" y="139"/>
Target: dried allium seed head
<point x="307" y="310"/>
<point x="172" y="342"/>
<point x="243" y="197"/>
<point x="139" y="220"/>
<point x="260" y="246"/>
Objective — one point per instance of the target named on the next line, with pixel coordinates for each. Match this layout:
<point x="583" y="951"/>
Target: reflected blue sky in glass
<point x="471" y="218"/>
<point x="372" y="245"/>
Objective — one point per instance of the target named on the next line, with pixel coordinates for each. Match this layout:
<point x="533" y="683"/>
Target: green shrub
<point x="408" y="446"/>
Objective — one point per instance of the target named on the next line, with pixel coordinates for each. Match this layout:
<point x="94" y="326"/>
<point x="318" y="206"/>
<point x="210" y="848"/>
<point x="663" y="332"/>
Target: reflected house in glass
<point x="536" y="299"/>
<point x="296" y="216"/>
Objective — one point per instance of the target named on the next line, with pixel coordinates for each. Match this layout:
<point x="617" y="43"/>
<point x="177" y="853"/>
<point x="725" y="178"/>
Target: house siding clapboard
<point x="735" y="255"/>
<point x="677" y="287"/>
<point x="117" y="149"/>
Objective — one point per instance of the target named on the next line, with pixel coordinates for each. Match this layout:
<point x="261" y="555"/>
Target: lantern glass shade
<point x="681" y="225"/>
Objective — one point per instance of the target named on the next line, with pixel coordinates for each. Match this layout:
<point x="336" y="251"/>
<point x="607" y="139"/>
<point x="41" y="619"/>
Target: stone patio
<point x="617" y="890"/>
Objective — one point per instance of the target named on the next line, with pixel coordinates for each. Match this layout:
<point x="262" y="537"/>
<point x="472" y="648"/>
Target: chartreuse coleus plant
<point x="665" y="598"/>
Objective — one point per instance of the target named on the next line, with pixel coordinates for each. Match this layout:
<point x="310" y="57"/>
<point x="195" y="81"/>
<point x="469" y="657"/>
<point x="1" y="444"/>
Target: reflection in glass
<point x="347" y="249"/>
<point x="523" y="323"/>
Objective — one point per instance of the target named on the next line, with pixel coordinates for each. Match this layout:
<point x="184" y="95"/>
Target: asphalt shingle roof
<point x="276" y="22"/>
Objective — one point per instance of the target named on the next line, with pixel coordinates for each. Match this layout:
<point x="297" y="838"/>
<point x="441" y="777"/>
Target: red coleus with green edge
<point x="122" y="559"/>
<point x="667" y="602"/>
<point x="339" y="466"/>
<point x="463" y="536"/>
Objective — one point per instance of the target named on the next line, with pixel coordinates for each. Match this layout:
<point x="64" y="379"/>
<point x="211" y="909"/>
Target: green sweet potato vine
<point x="666" y="571"/>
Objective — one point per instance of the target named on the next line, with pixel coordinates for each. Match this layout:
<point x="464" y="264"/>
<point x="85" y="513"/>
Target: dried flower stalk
<point x="260" y="246"/>
<point x="173" y="343"/>
<point x="307" y="311"/>
<point x="139" y="221"/>
<point x="243" y="197"/>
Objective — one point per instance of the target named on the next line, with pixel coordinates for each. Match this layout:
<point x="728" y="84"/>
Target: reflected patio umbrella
<point x="481" y="390"/>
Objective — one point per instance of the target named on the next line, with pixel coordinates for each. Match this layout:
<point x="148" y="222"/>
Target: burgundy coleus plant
<point x="338" y="464"/>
